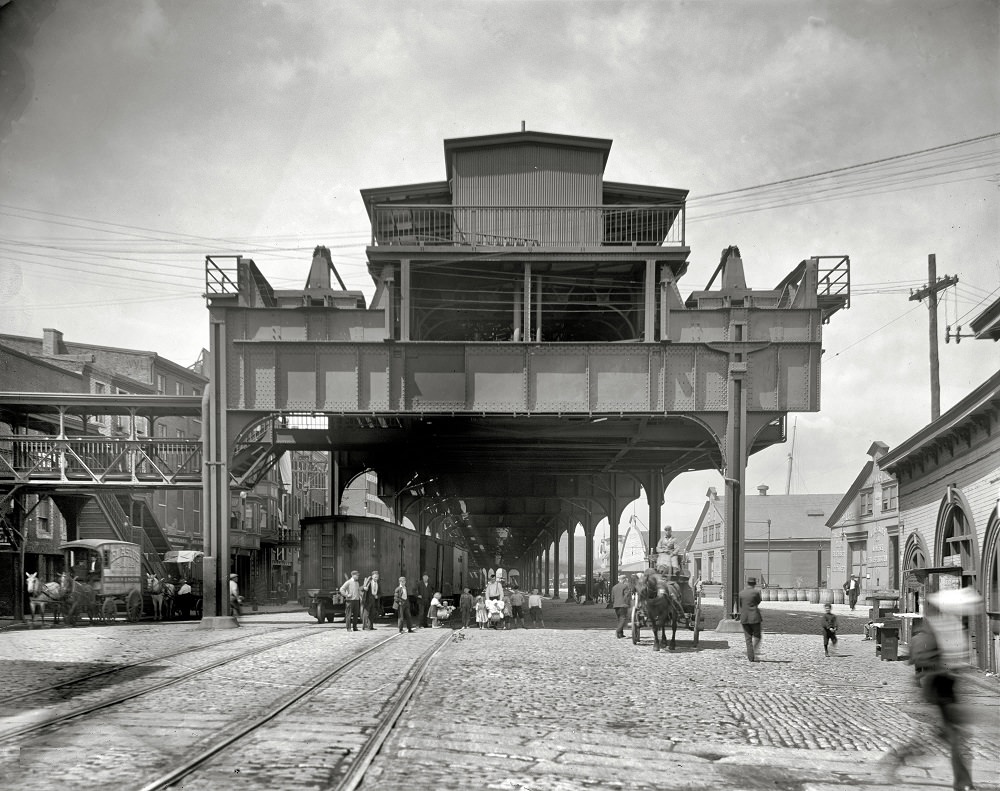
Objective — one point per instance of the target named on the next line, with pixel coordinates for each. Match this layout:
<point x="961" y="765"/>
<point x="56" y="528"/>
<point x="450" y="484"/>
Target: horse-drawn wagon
<point x="98" y="576"/>
<point x="185" y="566"/>
<point x="664" y="596"/>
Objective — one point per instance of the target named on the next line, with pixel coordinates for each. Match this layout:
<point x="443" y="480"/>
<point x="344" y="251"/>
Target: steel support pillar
<point x="545" y="574"/>
<point x="215" y="488"/>
<point x="570" y="561"/>
<point x="555" y="562"/>
<point x="588" y="596"/>
<point x="654" y="496"/>
<point x="736" y="457"/>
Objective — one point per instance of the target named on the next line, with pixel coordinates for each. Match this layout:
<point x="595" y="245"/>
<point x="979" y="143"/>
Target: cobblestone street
<point x="570" y="706"/>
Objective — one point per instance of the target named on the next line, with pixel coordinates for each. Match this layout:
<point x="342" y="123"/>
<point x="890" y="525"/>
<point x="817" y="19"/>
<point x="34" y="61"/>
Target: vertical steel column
<point x="736" y="449"/>
<point x="527" y="301"/>
<point x="405" y="306"/>
<point x="649" y="303"/>
<point x="555" y="562"/>
<point x="654" y="496"/>
<point x="570" y="560"/>
<point x="588" y="531"/>
<point x="613" y="517"/>
<point x="215" y="484"/>
<point x="545" y="574"/>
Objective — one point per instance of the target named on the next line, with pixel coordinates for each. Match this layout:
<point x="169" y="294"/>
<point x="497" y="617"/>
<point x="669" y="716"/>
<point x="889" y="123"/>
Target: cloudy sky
<point x="137" y="137"/>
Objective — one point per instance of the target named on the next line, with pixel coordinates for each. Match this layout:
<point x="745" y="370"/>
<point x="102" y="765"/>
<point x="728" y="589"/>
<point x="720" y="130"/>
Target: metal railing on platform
<point x="155" y="461"/>
<point x="532" y="226"/>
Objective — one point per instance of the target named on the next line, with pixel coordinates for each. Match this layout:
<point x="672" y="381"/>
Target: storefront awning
<point x="182" y="556"/>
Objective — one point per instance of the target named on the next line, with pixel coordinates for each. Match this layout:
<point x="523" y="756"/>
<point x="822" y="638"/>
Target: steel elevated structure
<point x="527" y="361"/>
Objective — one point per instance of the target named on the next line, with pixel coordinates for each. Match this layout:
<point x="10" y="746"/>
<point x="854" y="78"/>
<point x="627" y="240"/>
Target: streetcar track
<point x="121" y="668"/>
<point x="362" y="758"/>
<point x="51" y="721"/>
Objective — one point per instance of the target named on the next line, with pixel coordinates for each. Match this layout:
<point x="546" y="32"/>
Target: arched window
<point x="991" y="588"/>
<point x="956" y="544"/>
<point x="914" y="557"/>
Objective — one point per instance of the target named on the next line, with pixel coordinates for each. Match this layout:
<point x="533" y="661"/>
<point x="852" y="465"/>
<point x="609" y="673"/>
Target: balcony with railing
<point x="532" y="226"/>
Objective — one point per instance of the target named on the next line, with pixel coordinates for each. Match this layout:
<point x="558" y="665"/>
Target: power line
<point x="992" y="135"/>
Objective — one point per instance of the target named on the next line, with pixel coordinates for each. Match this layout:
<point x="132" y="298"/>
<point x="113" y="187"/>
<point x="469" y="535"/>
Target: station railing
<point x="153" y="461"/>
<point x="533" y="226"/>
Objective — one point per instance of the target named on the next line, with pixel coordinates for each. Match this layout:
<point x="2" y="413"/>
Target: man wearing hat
<point x="234" y="596"/>
<point x="621" y="600"/>
<point x="184" y="598"/>
<point x="750" y="617"/>
<point x="351" y="591"/>
<point x="852" y="588"/>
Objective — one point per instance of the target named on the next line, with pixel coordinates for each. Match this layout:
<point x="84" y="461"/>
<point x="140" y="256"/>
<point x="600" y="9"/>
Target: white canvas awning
<point x="183" y="556"/>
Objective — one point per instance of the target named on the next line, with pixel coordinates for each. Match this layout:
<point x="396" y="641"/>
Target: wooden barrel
<point x="838" y="596"/>
<point x="782" y="594"/>
<point x="765" y="594"/>
<point x="812" y="594"/>
<point x="826" y="596"/>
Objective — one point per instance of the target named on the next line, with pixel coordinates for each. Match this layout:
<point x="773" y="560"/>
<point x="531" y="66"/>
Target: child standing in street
<point x="433" y="611"/>
<point x="829" y="629"/>
<point x="481" y="616"/>
<point x="535" y="608"/>
<point x="465" y="604"/>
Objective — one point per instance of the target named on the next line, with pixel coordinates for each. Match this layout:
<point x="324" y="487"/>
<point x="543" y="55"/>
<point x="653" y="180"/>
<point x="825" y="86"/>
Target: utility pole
<point x="934" y="285"/>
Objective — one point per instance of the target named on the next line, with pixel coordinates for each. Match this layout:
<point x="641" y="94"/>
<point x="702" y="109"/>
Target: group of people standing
<point x="498" y="607"/>
<point x="361" y="601"/>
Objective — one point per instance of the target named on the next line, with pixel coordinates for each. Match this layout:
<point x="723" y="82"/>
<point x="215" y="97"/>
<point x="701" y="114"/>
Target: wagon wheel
<point x="198" y="609"/>
<point x="697" y="621"/>
<point x="321" y="613"/>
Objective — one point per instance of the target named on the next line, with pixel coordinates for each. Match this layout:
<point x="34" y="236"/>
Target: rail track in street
<point x="253" y="714"/>
<point x="355" y="742"/>
<point x="30" y="720"/>
<point x="35" y="692"/>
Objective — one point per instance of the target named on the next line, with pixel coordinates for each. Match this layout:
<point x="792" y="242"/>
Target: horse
<point x="40" y="594"/>
<point x="661" y="597"/>
<point x="162" y="594"/>
<point x="76" y="596"/>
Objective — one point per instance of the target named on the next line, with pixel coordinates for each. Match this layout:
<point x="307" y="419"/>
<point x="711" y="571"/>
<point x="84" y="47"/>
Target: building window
<point x="43" y="525"/>
<point x="180" y="388"/>
<point x="195" y="391"/>
<point x="161" y="431"/>
<point x="889" y="494"/>
<point x="100" y="388"/>
<point x="866" y="503"/>
<point x="161" y="384"/>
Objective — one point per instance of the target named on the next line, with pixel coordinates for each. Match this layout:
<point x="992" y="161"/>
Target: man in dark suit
<point x="750" y="617"/>
<point x="621" y="599"/>
<point x="851" y="589"/>
<point x="424" y="596"/>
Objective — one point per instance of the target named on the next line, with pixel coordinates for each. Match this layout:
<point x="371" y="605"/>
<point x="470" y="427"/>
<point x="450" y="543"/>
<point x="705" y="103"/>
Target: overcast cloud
<point x="135" y="137"/>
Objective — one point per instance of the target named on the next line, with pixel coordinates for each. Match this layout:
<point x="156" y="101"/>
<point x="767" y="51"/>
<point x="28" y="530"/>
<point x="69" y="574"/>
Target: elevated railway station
<point x="527" y="363"/>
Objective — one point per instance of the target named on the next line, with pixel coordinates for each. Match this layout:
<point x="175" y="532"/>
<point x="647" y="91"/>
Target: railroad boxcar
<point x="333" y="546"/>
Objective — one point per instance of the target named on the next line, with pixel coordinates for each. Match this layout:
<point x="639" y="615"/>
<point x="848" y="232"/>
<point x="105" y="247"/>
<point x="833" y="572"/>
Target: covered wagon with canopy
<point x="185" y="566"/>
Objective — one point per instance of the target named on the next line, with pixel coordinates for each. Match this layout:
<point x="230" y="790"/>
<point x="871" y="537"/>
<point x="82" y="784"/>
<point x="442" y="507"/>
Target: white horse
<point x="40" y="594"/>
<point x="162" y="594"/>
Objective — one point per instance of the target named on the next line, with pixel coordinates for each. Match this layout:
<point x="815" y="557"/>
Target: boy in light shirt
<point x="535" y="607"/>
